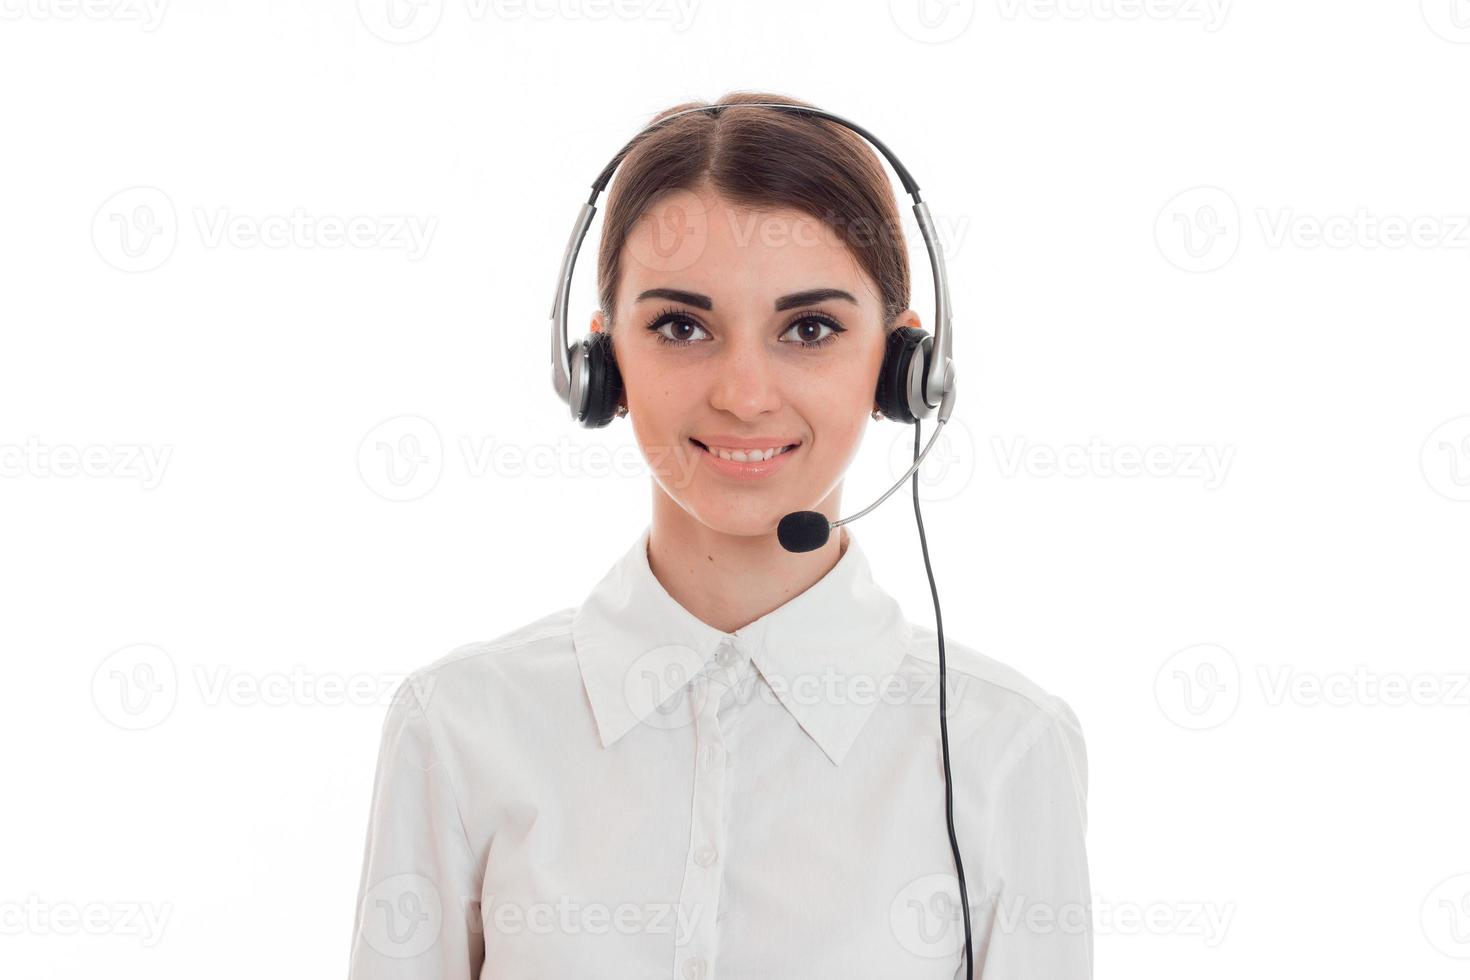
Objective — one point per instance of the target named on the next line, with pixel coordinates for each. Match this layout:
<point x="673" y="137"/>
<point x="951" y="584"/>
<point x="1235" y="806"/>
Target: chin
<point x="736" y="521"/>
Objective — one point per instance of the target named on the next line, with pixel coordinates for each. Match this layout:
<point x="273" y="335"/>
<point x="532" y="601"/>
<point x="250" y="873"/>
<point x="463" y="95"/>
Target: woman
<point x="726" y="761"/>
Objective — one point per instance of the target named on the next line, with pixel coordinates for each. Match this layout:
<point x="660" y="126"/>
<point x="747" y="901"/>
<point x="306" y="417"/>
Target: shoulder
<point x="504" y="650"/>
<point x="474" y="676"/>
<point x="998" y="712"/>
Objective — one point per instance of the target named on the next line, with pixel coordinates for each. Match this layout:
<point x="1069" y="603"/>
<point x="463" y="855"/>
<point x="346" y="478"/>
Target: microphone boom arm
<point x="946" y="405"/>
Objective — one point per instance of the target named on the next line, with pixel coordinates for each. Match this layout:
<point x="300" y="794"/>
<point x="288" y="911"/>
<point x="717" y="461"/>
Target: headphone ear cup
<point x="604" y="382"/>
<point x="904" y="344"/>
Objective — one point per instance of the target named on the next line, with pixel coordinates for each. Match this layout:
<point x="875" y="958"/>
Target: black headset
<point x="912" y="383"/>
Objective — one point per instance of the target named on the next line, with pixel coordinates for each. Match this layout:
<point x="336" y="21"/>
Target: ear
<point x="599" y="325"/>
<point x="908" y="318"/>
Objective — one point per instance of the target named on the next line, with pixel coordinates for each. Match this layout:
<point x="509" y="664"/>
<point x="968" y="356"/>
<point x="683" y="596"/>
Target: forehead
<point x="700" y="241"/>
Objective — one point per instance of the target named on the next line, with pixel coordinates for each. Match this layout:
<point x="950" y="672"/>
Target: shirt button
<point x="705" y="855"/>
<point x="726" y="657"/>
<point x="694" y="967"/>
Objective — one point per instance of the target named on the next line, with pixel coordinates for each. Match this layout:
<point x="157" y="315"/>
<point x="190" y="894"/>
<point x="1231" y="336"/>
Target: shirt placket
<point x="704" y="863"/>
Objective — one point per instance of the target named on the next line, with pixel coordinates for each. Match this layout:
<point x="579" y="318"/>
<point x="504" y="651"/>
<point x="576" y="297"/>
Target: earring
<point x="622" y="411"/>
<point x="877" y="415"/>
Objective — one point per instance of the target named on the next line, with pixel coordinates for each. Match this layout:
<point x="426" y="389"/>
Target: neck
<point x="731" y="580"/>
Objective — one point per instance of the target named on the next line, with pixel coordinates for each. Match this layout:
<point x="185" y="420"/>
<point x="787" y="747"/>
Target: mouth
<point x="746" y="456"/>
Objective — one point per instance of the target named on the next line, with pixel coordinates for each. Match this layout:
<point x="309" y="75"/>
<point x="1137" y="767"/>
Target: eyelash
<point x="667" y="315"/>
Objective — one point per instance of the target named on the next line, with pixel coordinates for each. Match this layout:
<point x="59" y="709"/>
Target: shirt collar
<point x="825" y="653"/>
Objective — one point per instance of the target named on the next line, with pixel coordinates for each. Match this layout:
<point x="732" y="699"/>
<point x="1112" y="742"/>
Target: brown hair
<point x="764" y="159"/>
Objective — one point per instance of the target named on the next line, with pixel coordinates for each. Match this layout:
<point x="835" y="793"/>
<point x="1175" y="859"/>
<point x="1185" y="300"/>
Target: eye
<point x="809" y="327"/>
<point x="683" y="328"/>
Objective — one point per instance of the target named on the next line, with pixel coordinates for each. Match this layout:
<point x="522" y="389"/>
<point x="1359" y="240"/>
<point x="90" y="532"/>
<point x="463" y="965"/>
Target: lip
<point x="745" y="471"/>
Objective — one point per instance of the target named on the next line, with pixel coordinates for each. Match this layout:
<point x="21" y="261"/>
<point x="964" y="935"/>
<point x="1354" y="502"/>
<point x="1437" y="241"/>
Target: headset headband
<point x="925" y="393"/>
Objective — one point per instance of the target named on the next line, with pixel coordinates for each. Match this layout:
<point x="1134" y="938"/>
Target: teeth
<point x="747" y="455"/>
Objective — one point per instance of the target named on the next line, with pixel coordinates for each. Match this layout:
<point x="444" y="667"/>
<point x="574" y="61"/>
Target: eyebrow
<point x="699" y="300"/>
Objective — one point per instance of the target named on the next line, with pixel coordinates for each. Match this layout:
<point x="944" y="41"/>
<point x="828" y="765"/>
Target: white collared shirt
<point x="620" y="790"/>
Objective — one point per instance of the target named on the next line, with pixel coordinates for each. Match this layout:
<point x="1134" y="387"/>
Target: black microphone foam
<point x="803" y="530"/>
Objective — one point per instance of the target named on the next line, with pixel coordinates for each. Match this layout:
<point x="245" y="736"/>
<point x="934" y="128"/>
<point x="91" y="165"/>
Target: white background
<point x="1184" y="231"/>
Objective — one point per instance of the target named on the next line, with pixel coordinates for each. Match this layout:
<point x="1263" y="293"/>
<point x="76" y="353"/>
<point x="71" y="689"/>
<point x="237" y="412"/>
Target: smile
<point x="746" y="463"/>
<point x="744" y="455"/>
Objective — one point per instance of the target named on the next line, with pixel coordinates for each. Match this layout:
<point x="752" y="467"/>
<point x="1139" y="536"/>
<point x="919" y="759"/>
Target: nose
<point x="747" y="382"/>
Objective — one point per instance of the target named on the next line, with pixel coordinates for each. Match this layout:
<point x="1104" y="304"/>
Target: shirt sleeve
<point x="418" y="900"/>
<point x="1038" y="920"/>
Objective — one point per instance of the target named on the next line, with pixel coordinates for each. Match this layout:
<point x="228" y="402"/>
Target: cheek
<point x="659" y="403"/>
<point x="853" y="385"/>
<point x="839" y="411"/>
<point x="644" y="385"/>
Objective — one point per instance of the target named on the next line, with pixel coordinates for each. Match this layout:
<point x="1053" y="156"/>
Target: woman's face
<point x="747" y="331"/>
